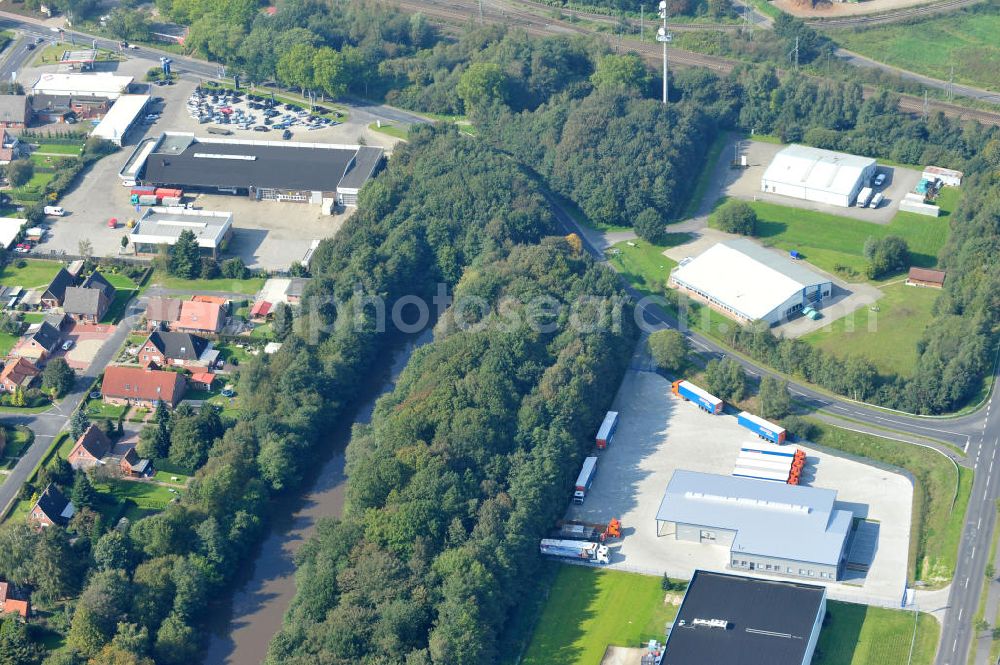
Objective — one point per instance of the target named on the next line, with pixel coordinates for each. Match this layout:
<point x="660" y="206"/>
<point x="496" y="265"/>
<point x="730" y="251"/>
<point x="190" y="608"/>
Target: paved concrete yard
<point x="267" y="234"/>
<point x="759" y="156"/>
<point x="659" y="433"/>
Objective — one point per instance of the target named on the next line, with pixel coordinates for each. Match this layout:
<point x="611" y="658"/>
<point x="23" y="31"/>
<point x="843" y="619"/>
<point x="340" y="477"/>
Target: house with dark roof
<point x="11" y="147"/>
<point x="90" y="449"/>
<point x="15" y="111"/>
<point x="39" y="343"/>
<point x="18" y="373"/>
<point x="12" y="602"/>
<point x="51" y="508"/>
<point x="55" y="292"/>
<point x="734" y="619"/>
<point x="90" y="301"/>
<point x="177" y="348"/>
<point x="133" y="466"/>
<point x="142" y="386"/>
<point x="162" y="312"/>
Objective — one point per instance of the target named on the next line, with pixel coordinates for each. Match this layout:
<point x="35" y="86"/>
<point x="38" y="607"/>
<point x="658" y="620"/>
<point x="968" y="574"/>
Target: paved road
<point x="48" y="424"/>
<point x="958" y="89"/>
<point x="976" y="434"/>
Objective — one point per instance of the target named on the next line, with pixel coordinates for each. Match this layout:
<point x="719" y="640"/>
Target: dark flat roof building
<point x="735" y="620"/>
<point x="272" y="170"/>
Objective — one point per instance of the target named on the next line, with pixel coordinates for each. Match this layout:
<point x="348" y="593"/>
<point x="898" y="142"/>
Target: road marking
<point x="979" y="525"/>
<point x="966" y="582"/>
<point x="973" y="552"/>
<point x="960" y="610"/>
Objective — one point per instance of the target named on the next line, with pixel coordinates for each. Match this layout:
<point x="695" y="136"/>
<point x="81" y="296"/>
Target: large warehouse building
<point x="262" y="170"/>
<point x="774" y="528"/>
<point x="748" y="282"/>
<point x="122" y="117"/>
<point x="818" y="175"/>
<point x="735" y="619"/>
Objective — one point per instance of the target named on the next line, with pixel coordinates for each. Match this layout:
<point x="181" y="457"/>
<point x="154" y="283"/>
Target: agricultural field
<point x="589" y="609"/>
<point x="836" y="244"/>
<point x="887" y="337"/>
<point x="966" y="39"/>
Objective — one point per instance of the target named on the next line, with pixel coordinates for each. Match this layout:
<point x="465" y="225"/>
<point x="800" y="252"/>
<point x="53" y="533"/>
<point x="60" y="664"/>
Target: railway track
<point x="463" y="12"/>
<point x="901" y="14"/>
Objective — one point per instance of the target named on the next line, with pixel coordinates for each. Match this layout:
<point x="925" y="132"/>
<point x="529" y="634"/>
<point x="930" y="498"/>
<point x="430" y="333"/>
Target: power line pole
<point x="796" y="52"/>
<point x="642" y="23"/>
<point x="925" y="106"/>
<point x="951" y="84"/>
<point x="480" y="12"/>
<point x="664" y="37"/>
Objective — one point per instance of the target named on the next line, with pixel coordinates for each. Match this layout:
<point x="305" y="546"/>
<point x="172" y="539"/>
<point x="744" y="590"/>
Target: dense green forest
<point x="444" y="203"/>
<point x="466" y="464"/>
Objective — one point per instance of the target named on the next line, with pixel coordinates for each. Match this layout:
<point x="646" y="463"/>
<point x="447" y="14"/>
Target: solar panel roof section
<point x="179" y="160"/>
<point x="766" y="622"/>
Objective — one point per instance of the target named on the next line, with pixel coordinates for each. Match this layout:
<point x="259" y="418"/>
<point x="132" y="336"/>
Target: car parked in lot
<point x="286" y="135"/>
<point x="262" y="128"/>
<point x="879" y="179"/>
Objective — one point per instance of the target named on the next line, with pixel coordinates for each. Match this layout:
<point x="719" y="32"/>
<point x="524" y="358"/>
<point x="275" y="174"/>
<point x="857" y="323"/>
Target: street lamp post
<point x="664" y="37"/>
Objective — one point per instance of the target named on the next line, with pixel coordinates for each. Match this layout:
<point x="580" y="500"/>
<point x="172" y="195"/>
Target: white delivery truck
<point x="864" y="196"/>
<point x="877" y="200"/>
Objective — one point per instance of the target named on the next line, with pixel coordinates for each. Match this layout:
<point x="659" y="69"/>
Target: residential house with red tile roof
<point x="11" y="605"/>
<point x="141" y="386"/>
<point x="199" y="317"/>
<point x="18" y="373"/>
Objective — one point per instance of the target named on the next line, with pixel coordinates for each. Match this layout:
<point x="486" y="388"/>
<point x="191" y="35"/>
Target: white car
<point x="55" y="211"/>
<point x="879" y="179"/>
<point x="67" y="345"/>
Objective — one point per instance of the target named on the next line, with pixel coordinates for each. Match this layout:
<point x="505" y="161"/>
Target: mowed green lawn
<point x="862" y="635"/>
<point x="248" y="286"/>
<point x="968" y="40"/>
<point x="643" y="264"/>
<point x="589" y="609"/>
<point x="33" y="275"/>
<point x="833" y="243"/>
<point x="887" y="337"/>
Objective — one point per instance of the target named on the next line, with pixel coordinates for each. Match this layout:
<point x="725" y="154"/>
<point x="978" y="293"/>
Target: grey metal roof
<point x="185" y="161"/>
<point x="80" y="300"/>
<point x="359" y="171"/>
<point x="770" y="519"/>
<point x="297" y="286"/>
<point x="97" y="281"/>
<point x="775" y="261"/>
<point x="767" y="622"/>
<point x="13" y="108"/>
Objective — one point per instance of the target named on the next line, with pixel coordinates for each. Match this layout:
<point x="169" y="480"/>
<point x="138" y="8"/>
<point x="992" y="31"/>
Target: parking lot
<point x="898" y="182"/>
<point x="659" y="433"/>
<point x="267" y="235"/>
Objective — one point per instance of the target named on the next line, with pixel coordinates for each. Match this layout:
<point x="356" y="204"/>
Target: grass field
<point x="74" y="150"/>
<point x="33" y="275"/>
<point x="966" y="39"/>
<point x="647" y="269"/>
<point x="242" y="286"/>
<point x="888" y="337"/>
<point x="131" y="499"/>
<point x="862" y="635"/>
<point x="120" y="281"/>
<point x="940" y="497"/>
<point x="96" y="408"/>
<point x="32" y="191"/>
<point x="391" y="130"/>
<point x="588" y="609"/>
<point x="836" y="244"/>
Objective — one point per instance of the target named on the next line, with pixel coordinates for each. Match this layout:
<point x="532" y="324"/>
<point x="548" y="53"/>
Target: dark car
<point x="31" y="47"/>
<point x="261" y="128"/>
<point x="286" y="135"/>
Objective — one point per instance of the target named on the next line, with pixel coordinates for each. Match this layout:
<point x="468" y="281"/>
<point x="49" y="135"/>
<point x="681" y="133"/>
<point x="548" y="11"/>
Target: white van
<point x="128" y="182"/>
<point x="877" y="200"/>
<point x="55" y="211"/>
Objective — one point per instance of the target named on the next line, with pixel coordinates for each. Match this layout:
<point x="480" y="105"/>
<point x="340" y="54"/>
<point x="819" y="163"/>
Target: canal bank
<point x="266" y="586"/>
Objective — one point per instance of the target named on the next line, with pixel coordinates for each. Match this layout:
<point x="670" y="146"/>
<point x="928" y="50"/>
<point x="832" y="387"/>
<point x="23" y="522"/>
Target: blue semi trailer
<point x="762" y="428"/>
